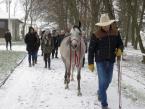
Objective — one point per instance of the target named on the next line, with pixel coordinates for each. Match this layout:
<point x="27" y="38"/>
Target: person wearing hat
<point x="105" y="45"/>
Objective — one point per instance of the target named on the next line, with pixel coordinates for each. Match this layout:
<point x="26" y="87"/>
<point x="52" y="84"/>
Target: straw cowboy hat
<point x="104" y="20"/>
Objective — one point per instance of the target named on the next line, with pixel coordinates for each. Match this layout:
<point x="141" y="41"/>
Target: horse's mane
<point x="75" y="26"/>
<point x="75" y="31"/>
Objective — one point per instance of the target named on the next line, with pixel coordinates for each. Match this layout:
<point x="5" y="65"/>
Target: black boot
<point x="53" y="52"/>
<point x="49" y="63"/>
<point x="49" y="66"/>
<point x="56" y="55"/>
<point x="45" y="64"/>
<point x="33" y="62"/>
<point x="36" y="61"/>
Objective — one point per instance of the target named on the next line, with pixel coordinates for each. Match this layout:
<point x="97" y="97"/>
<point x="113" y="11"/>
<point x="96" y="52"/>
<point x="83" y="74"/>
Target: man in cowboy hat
<point x="105" y="45"/>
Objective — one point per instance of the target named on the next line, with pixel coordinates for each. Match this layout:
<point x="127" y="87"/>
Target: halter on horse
<point x="72" y="51"/>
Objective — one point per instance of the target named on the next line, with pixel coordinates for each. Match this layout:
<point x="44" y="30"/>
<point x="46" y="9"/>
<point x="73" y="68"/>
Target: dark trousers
<point x="8" y="42"/>
<point x="55" y="52"/>
<point x="47" y="59"/>
<point x="36" y="55"/>
<point x="31" y="57"/>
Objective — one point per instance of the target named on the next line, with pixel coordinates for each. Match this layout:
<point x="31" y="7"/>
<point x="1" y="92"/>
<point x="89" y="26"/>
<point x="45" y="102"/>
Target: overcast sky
<point x="19" y="9"/>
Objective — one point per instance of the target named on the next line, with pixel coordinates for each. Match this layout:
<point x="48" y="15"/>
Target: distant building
<point x="15" y="26"/>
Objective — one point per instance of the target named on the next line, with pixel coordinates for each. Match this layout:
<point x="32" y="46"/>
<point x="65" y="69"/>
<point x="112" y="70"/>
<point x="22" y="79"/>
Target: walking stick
<point x="119" y="60"/>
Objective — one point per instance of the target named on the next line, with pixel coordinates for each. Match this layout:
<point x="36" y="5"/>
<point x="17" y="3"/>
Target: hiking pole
<point x="119" y="60"/>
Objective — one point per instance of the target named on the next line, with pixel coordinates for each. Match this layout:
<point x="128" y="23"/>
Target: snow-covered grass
<point x="20" y="42"/>
<point x="8" y="61"/>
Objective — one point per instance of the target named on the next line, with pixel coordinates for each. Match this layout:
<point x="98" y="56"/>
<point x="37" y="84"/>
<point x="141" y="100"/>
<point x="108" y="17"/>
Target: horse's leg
<point x="79" y="78"/>
<point x="83" y="62"/>
<point x="68" y="80"/>
<point x="72" y="72"/>
<point x="65" y="77"/>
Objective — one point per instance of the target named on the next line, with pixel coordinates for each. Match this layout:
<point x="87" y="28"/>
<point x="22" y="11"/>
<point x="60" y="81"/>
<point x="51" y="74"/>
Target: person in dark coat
<point x="37" y="46"/>
<point x="55" y="38"/>
<point x="31" y="46"/>
<point x="42" y="34"/>
<point x="61" y="37"/>
<point x="47" y="48"/>
<point x="8" y="38"/>
<point x="105" y="45"/>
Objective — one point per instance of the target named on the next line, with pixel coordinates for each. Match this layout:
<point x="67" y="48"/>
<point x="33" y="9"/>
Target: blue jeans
<point x="105" y="73"/>
<point x="31" y="56"/>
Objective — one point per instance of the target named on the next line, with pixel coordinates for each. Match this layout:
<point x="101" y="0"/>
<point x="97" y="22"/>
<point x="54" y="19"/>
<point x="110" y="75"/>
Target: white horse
<point x="72" y="50"/>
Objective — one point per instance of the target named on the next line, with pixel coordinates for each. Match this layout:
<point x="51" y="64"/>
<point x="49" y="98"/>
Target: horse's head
<point x="75" y="37"/>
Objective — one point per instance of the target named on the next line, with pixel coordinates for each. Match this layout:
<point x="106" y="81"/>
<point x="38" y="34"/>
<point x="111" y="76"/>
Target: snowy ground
<point x="40" y="88"/>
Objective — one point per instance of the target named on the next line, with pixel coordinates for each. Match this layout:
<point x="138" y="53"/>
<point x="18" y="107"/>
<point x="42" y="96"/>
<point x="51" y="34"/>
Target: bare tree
<point x="26" y="6"/>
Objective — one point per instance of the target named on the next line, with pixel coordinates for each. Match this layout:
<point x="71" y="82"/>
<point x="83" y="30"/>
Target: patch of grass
<point x="21" y="42"/>
<point x="8" y="61"/>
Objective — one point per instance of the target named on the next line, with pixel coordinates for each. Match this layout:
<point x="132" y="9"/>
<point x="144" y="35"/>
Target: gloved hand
<point x="91" y="67"/>
<point x="118" y="52"/>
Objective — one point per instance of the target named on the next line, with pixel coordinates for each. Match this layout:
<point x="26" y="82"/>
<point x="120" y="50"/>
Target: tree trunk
<point x="127" y="31"/>
<point x="136" y="43"/>
<point x="109" y="8"/>
<point x="133" y="32"/>
<point x="95" y="8"/>
<point x="138" y="28"/>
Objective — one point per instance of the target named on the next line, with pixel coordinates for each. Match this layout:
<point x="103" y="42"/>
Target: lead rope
<point x="70" y="57"/>
<point x="78" y="58"/>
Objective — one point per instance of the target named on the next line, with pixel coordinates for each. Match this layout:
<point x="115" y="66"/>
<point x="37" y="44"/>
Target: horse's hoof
<point x="68" y="81"/>
<point x="79" y="94"/>
<point x="66" y="87"/>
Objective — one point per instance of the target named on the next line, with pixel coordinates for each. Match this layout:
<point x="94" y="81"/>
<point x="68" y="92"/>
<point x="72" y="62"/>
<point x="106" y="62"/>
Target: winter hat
<point x="104" y="20"/>
<point x="31" y="28"/>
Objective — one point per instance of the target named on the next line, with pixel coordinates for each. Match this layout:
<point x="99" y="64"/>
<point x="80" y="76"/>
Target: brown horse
<point x="72" y="50"/>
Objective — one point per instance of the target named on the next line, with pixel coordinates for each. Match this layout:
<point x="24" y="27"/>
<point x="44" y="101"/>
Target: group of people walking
<point x="49" y="45"/>
<point x="105" y="45"/>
